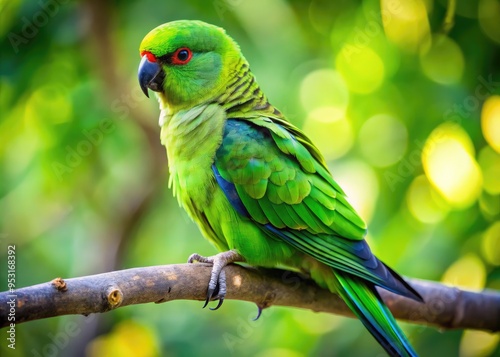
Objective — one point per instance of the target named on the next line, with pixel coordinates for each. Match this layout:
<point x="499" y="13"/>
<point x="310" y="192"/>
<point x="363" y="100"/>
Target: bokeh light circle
<point x="444" y="62"/>
<point x="324" y="87"/>
<point x="383" y="140"/>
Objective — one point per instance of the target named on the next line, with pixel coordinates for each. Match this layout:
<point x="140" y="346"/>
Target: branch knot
<point x="114" y="297"/>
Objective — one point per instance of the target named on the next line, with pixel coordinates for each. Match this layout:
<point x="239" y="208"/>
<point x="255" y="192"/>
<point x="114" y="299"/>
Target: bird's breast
<point x="191" y="138"/>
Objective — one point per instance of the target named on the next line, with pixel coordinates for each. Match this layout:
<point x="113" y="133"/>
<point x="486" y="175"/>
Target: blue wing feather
<point x="230" y="192"/>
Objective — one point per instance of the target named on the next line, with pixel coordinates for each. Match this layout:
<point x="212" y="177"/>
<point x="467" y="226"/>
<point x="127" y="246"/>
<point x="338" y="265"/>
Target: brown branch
<point x="445" y="307"/>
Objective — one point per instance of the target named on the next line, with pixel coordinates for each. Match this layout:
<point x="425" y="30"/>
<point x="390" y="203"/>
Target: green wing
<point x="280" y="182"/>
<point x="273" y="174"/>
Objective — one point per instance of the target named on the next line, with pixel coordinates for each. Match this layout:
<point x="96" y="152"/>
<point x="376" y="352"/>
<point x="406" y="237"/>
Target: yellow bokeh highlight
<point x="489" y="18"/>
<point x="489" y="161"/>
<point x="424" y="203"/>
<point x="383" y="140"/>
<point x="478" y="343"/>
<point x="127" y="339"/>
<point x="406" y="24"/>
<point x="467" y="272"/>
<point x="448" y="161"/>
<point x="490" y="121"/>
<point x="490" y="246"/>
<point x="359" y="181"/>
<point x="361" y="68"/>
<point x="331" y="133"/>
<point x="322" y="88"/>
<point x="444" y="62"/>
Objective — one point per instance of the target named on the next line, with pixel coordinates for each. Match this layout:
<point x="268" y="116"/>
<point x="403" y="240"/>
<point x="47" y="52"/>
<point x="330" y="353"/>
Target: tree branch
<point x="445" y="307"/>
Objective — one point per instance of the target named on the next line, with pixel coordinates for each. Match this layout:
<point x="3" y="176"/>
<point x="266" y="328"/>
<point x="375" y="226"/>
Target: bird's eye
<point x="182" y="56"/>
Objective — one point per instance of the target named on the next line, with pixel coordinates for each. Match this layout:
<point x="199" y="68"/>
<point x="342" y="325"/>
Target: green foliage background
<point x="83" y="185"/>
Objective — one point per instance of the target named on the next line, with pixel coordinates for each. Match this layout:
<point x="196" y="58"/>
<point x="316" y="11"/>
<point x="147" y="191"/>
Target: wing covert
<point x="278" y="181"/>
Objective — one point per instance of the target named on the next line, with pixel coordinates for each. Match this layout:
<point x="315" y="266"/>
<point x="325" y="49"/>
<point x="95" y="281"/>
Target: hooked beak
<point x="150" y="76"/>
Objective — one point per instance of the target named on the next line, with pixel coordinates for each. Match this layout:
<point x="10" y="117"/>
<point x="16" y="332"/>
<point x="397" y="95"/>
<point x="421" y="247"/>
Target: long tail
<point x="365" y="302"/>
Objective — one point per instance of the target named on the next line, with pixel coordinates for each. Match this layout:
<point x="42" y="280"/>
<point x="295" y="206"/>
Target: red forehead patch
<point x="151" y="57"/>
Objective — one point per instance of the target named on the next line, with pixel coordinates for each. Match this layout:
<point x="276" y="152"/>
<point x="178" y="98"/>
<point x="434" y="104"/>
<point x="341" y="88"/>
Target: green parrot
<point x="256" y="185"/>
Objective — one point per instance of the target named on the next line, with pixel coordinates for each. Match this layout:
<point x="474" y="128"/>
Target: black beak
<point x="150" y="76"/>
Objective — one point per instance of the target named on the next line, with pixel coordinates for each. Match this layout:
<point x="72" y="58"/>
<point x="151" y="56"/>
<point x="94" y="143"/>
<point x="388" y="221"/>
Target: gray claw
<point x="218" y="276"/>
<point x="259" y="312"/>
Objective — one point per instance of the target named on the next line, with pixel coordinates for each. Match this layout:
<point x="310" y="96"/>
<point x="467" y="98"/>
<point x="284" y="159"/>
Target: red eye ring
<point x="182" y="56"/>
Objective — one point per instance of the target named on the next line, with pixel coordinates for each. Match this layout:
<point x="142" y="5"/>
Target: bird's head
<point x="187" y="62"/>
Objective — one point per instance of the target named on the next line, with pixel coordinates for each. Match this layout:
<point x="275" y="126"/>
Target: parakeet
<point x="255" y="184"/>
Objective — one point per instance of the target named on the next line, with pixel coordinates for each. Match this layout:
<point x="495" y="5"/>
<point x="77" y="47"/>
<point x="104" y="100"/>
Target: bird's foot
<point x="217" y="284"/>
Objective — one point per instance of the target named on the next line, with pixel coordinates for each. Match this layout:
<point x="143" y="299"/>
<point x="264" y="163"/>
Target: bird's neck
<point x="243" y="97"/>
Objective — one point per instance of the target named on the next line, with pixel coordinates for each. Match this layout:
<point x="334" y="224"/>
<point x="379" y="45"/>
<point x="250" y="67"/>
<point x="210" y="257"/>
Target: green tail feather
<point x="365" y="302"/>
